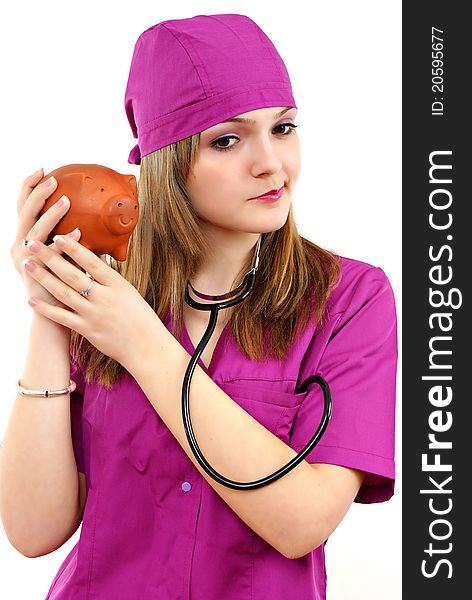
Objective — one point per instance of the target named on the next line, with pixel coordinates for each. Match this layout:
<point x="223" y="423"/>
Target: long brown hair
<point x="166" y="249"/>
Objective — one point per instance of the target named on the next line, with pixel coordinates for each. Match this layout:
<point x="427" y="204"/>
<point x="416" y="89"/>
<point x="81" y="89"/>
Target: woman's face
<point x="238" y="161"/>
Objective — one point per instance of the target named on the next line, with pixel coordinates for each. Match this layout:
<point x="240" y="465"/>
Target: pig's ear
<point x="77" y="178"/>
<point x="133" y="184"/>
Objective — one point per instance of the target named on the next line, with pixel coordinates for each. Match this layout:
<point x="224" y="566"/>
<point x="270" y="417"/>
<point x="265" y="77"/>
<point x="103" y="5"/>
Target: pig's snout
<point x="128" y="210"/>
<point x="121" y="214"/>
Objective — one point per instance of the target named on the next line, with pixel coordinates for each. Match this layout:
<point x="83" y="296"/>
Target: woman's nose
<point x="265" y="156"/>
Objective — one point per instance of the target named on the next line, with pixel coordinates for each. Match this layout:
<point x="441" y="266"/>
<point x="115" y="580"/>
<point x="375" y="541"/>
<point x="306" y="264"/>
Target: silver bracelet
<point x="46" y="393"/>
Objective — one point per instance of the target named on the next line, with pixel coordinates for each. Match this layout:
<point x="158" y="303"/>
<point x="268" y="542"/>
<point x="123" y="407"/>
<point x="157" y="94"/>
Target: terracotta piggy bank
<point x="103" y="205"/>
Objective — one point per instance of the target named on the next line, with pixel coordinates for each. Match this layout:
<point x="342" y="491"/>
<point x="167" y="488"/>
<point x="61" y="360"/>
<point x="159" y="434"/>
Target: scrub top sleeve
<point x="359" y="363"/>
<point x="76" y="407"/>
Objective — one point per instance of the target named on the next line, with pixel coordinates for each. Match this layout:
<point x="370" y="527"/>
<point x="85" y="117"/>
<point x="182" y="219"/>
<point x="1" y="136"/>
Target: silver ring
<point x="86" y="292"/>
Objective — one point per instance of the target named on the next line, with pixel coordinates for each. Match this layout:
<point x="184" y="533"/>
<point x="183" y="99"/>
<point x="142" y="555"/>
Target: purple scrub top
<point x="153" y="527"/>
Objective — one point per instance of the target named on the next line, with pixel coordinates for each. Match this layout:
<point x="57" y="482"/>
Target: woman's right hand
<point x="30" y="202"/>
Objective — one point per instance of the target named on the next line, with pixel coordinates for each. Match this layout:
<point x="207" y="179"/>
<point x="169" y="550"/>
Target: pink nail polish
<point x="30" y="265"/>
<point x="34" y="246"/>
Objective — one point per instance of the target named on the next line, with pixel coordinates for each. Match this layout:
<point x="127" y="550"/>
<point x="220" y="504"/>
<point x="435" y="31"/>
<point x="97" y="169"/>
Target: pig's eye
<point x="102" y="190"/>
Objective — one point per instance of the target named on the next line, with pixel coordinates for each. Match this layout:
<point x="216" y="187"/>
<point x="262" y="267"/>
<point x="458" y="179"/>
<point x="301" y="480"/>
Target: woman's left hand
<point x="114" y="317"/>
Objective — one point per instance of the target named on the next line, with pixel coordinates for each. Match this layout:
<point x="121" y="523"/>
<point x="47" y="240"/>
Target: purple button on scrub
<point x="355" y="351"/>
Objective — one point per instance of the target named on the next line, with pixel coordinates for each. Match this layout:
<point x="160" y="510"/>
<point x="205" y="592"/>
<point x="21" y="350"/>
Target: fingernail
<point x="29" y="265"/>
<point x="36" y="172"/>
<point x="50" y="181"/>
<point x="60" y="240"/>
<point x="74" y="233"/>
<point x="33" y="246"/>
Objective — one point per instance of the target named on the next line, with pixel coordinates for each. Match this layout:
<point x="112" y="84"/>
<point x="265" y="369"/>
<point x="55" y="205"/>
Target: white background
<point x="64" y="71"/>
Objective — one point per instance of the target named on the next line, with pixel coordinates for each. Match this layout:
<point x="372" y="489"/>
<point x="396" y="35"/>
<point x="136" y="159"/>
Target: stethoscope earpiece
<point x="220" y="302"/>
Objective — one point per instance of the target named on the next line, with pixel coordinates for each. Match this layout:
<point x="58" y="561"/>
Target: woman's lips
<point x="270" y="197"/>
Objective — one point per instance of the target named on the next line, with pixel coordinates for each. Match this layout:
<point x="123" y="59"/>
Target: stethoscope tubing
<point x="296" y="460"/>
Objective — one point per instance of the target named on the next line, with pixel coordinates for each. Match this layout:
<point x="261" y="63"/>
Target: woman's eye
<point x="291" y="127"/>
<point x="223" y="140"/>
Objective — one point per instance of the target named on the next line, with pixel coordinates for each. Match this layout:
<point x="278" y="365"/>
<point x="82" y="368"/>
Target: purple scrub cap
<point x="187" y="75"/>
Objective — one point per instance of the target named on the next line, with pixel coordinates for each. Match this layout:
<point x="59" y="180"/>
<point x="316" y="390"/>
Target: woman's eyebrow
<point x="252" y="121"/>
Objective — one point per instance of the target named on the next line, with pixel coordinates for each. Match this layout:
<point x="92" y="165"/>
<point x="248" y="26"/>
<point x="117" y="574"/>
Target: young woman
<point x="210" y="102"/>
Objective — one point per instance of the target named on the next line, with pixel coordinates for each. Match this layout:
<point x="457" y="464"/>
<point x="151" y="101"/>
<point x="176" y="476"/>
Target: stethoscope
<point x="214" y="308"/>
